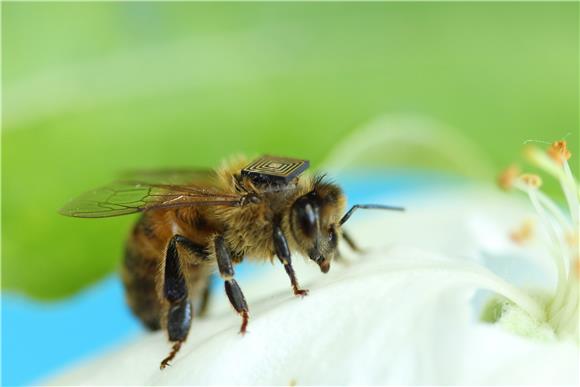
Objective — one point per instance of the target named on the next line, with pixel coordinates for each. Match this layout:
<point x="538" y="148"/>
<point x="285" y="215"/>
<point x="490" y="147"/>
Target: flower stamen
<point x="534" y="181"/>
<point x="562" y="305"/>
<point x="524" y="233"/>
<point x="559" y="152"/>
<point x="572" y="239"/>
<point x="507" y="178"/>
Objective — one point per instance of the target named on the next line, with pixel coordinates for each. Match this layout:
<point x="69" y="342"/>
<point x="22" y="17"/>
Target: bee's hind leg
<point x="233" y="291"/>
<point x="180" y="313"/>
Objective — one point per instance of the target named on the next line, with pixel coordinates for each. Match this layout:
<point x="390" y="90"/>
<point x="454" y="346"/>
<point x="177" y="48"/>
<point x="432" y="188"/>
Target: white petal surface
<point x="398" y="315"/>
<point x="401" y="318"/>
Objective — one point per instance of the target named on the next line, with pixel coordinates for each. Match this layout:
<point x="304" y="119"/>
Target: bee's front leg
<point x="351" y="243"/>
<point x="283" y="253"/>
<point x="233" y="291"/>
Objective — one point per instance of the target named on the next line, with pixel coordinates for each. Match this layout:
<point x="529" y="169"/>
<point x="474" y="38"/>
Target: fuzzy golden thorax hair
<point x="308" y="210"/>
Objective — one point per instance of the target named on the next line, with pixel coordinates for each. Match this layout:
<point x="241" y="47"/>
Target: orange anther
<point x="559" y="152"/>
<point x="506" y="179"/>
<point x="524" y="233"/>
<point x="532" y="180"/>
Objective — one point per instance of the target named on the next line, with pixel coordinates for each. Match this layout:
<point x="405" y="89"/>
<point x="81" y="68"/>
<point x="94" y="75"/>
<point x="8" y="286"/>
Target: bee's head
<point x="314" y="221"/>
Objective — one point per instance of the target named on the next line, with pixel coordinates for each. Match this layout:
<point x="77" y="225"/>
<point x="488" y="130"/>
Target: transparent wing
<point x="147" y="190"/>
<point x="180" y="176"/>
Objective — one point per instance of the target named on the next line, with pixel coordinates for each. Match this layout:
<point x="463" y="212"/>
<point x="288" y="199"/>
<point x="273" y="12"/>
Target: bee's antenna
<point x="367" y="206"/>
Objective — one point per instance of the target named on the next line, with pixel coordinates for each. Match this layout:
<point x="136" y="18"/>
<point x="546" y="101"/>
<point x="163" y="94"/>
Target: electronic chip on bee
<point x="195" y="222"/>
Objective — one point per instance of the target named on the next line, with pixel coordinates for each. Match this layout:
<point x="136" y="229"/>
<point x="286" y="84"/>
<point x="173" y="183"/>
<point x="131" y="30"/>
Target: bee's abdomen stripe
<point x="139" y="280"/>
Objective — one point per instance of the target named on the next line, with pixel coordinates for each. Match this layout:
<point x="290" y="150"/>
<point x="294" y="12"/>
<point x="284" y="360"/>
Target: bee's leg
<point x="339" y="258"/>
<point x="283" y="253"/>
<point x="233" y="291"/>
<point x="179" y="314"/>
<point x="199" y="254"/>
<point x="351" y="243"/>
<point x="205" y="298"/>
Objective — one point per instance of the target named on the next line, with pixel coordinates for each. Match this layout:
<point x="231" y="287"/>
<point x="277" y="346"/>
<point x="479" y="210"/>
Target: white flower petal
<point x="496" y="357"/>
<point x="469" y="222"/>
<point x="396" y="318"/>
<point x="397" y="315"/>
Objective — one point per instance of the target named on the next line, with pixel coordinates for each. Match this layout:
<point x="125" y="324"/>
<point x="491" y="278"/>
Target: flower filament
<point x="562" y="307"/>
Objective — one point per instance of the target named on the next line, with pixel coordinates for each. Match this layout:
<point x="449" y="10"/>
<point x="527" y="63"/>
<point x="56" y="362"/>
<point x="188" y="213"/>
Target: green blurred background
<point x="91" y="89"/>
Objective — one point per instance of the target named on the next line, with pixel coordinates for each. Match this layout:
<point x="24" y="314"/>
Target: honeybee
<point x="194" y="223"/>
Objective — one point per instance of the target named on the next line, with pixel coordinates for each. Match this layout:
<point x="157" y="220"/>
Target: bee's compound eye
<point x="306" y="214"/>
<point x="332" y="238"/>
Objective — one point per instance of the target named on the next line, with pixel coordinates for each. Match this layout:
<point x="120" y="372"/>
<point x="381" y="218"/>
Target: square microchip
<point x="274" y="170"/>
